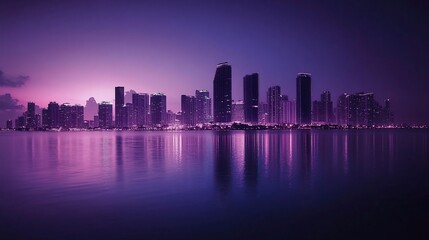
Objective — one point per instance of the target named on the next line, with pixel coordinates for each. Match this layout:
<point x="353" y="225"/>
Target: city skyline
<point x="51" y="48"/>
<point x="141" y="111"/>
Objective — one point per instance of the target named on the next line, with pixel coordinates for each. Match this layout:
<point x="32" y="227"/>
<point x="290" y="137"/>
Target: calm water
<point x="215" y="185"/>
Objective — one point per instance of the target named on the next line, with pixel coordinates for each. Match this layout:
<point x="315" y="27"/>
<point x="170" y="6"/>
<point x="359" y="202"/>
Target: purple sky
<point x="76" y="50"/>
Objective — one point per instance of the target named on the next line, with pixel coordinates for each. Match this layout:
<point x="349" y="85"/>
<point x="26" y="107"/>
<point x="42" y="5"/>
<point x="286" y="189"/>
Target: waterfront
<point x="306" y="184"/>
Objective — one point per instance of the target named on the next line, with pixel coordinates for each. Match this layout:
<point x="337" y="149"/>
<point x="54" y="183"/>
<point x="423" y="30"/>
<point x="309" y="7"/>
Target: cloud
<point x="129" y="96"/>
<point x="9" y="81"/>
<point x="7" y="103"/>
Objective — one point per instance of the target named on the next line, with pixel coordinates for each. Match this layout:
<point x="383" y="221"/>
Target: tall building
<point x="237" y="111"/>
<point x="290" y="110"/>
<point x="284" y="99"/>
<point x="71" y="116"/>
<point x="96" y="121"/>
<point x="129" y="115"/>
<point x="31" y="115"/>
<point x="141" y="108"/>
<point x="263" y="113"/>
<point x="273" y="101"/>
<point x="323" y="110"/>
<point x="361" y="109"/>
<point x="45" y="118"/>
<point x="119" y="107"/>
<point x="188" y="104"/>
<point x="342" y="109"/>
<point x="158" y="108"/>
<point x="203" y="106"/>
<point x="9" y="124"/>
<point x="53" y="115"/>
<point x="105" y="115"/>
<point x="386" y="115"/>
<point x="303" y="98"/>
<point x="222" y="93"/>
<point x="251" y="97"/>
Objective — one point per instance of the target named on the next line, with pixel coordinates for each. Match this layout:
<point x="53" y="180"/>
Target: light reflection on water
<point x="232" y="183"/>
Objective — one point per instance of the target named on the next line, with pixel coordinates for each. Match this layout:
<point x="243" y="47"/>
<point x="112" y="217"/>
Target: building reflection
<point x="304" y="155"/>
<point x="222" y="161"/>
<point x="158" y="152"/>
<point x="119" y="158"/>
<point x="251" y="159"/>
<point x="273" y="146"/>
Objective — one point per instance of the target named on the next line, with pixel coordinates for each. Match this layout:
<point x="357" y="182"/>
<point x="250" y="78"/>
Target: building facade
<point x="251" y="97"/>
<point x="222" y="98"/>
<point x="303" y="98"/>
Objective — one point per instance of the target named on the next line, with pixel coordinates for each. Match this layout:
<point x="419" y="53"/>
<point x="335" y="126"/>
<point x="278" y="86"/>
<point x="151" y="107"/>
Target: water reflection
<point x="119" y="158"/>
<point x="169" y="180"/>
<point x="251" y="158"/>
<point x="222" y="161"/>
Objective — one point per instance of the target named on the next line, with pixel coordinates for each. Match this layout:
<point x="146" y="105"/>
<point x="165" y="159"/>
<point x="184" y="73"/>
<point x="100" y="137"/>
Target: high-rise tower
<point x="119" y="107"/>
<point x="158" y="108"/>
<point x="222" y="93"/>
<point x="251" y="97"/>
<point x="303" y="98"/>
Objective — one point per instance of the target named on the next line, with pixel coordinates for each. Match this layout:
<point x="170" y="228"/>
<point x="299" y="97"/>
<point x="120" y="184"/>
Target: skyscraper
<point x="273" y="101"/>
<point x="105" y="115"/>
<point x="251" y="97"/>
<point x="360" y="109"/>
<point x="203" y="106"/>
<point x="323" y="109"/>
<point x="31" y="115"/>
<point x="71" y="116"/>
<point x="158" y="108"/>
<point x="141" y="108"/>
<point x="222" y="93"/>
<point x="9" y="124"/>
<point x="53" y="115"/>
<point x="285" y="111"/>
<point x="303" y="98"/>
<point x="342" y="109"/>
<point x="188" y="109"/>
<point x="119" y="107"/>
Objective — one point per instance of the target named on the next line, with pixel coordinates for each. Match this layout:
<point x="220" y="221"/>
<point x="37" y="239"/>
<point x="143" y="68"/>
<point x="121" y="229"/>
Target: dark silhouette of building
<point x="53" y="115"/>
<point x="9" y="124"/>
<point x="141" y="108"/>
<point x="387" y="114"/>
<point x="158" y="108"/>
<point x="342" y="109"/>
<point x="222" y="98"/>
<point x="30" y="115"/>
<point x="45" y="118"/>
<point x="129" y="115"/>
<point x="96" y="121"/>
<point x="273" y="101"/>
<point x="105" y="115"/>
<point x="20" y="122"/>
<point x="119" y="107"/>
<point x="203" y="106"/>
<point x="360" y="109"/>
<point x="303" y="98"/>
<point x="251" y="97"/>
<point x="71" y="116"/>
<point x="323" y="110"/>
<point x="188" y="104"/>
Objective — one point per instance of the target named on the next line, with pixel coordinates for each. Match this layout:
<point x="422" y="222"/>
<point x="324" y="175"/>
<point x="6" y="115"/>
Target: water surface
<point x="299" y="184"/>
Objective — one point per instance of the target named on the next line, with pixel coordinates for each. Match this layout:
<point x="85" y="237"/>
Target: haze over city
<point x="64" y="52"/>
